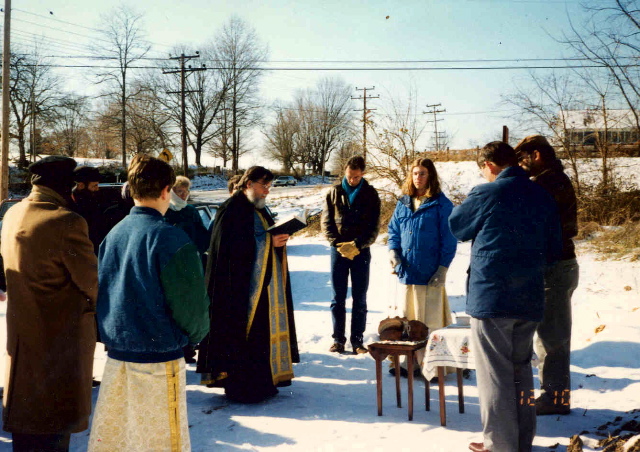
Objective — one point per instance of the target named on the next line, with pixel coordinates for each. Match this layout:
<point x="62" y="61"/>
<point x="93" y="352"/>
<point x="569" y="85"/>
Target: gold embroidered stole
<point x="280" y="346"/>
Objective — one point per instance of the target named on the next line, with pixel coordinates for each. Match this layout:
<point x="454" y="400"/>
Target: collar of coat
<point x="41" y="193"/>
<point x="512" y="171"/>
<point x="427" y="202"/>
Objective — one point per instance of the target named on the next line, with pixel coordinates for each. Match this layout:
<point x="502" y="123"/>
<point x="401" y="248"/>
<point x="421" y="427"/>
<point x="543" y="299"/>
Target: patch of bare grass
<point x="621" y="241"/>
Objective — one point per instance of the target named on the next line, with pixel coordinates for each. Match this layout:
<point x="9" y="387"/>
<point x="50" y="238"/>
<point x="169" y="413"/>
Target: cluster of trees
<point x="604" y="49"/>
<point x="317" y="124"/>
<point x="140" y="110"/>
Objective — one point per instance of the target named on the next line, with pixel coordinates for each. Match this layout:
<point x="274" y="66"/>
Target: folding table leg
<point x="443" y="413"/>
<point x="410" y="383"/>
<point x="379" y="385"/>
<point x="460" y="390"/>
<point x="427" y="396"/>
<point x="397" y="366"/>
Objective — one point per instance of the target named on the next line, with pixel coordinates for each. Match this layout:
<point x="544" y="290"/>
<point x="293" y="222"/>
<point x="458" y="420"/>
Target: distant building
<point x="584" y="126"/>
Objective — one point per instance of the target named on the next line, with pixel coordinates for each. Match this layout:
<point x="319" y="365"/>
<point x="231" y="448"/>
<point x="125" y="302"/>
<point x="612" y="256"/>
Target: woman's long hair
<point x="433" y="182"/>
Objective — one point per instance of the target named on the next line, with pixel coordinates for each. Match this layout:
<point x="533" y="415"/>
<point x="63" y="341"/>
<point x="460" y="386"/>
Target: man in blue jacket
<point x="515" y="229"/>
<point x="151" y="303"/>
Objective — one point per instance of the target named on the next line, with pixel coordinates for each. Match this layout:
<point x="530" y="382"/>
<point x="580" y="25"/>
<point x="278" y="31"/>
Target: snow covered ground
<point x="331" y="405"/>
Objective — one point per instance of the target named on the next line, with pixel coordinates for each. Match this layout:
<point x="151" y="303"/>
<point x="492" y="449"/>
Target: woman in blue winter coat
<point x="421" y="246"/>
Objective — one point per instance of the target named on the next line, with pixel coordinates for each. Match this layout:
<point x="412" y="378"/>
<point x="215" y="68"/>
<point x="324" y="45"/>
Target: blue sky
<point x="352" y="30"/>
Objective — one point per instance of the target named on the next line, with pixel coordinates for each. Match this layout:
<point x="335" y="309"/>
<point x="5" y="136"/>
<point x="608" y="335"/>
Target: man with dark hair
<point x="151" y="303"/>
<point x="350" y="221"/>
<point x="515" y="231"/>
<point x="52" y="284"/>
<point x="232" y="183"/>
<point x="553" y="344"/>
<point x="252" y="345"/>
<point x="85" y="196"/>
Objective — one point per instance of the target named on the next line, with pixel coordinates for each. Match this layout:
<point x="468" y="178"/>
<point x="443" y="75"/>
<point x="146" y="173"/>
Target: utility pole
<point x="505" y="134"/>
<point x="33" y="125"/>
<point x="6" y="75"/>
<point x="365" y="118"/>
<point x="184" y="72"/>
<point x="434" y="111"/>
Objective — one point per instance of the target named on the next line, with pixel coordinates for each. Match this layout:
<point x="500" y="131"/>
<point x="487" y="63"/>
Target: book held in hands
<point x="289" y="224"/>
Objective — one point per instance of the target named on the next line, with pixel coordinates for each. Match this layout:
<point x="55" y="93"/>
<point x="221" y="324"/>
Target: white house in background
<point x="583" y="126"/>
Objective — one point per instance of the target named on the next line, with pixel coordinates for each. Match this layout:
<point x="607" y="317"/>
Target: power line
<point x="63" y="31"/>
<point x="49" y="17"/>
<point x="448" y="68"/>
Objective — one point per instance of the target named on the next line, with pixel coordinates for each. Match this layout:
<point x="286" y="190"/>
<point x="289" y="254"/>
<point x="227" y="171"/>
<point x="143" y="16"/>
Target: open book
<point x="289" y="224"/>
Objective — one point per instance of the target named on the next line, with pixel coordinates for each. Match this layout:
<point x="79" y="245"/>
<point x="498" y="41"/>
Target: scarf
<point x="176" y="203"/>
<point x="352" y="192"/>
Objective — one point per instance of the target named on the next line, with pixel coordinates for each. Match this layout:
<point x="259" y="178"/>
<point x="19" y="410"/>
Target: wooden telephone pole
<point x="434" y="111"/>
<point x="184" y="72"/>
<point x="6" y="75"/>
<point x="365" y="114"/>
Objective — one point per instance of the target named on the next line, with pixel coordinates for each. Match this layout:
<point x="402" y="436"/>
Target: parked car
<point x="283" y="181"/>
<point x="207" y="211"/>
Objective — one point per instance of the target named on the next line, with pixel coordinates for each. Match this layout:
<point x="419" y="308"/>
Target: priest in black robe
<point x="252" y="344"/>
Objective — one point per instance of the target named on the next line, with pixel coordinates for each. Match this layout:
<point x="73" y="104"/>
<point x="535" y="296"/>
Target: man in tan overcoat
<point x="52" y="286"/>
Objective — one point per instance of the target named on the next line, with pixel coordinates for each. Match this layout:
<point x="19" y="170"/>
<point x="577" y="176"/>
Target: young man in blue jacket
<point x="515" y="229"/>
<point x="151" y="303"/>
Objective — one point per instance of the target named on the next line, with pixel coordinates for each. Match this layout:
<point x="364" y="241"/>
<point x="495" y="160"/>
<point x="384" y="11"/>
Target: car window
<point x="205" y="215"/>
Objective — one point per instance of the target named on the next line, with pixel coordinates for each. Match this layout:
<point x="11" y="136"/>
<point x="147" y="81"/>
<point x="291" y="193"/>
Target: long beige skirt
<point x="430" y="305"/>
<point x="141" y="407"/>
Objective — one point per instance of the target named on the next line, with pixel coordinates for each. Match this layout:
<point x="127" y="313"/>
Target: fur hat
<point x="55" y="172"/>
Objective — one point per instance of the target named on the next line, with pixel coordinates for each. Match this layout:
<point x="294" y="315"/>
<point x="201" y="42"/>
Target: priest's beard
<point x="259" y="203"/>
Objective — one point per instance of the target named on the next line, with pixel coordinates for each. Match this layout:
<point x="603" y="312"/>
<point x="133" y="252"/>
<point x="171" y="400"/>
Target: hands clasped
<point x="348" y="250"/>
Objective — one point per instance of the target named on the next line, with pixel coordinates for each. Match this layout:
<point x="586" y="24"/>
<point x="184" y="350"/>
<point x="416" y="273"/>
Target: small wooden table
<point x="379" y="351"/>
<point x="450" y="347"/>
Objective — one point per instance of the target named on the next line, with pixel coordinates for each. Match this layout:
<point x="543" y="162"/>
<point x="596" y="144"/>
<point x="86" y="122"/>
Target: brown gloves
<point x="348" y="249"/>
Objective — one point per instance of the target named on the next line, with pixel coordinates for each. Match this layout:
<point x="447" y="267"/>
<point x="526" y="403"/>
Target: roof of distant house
<point x="594" y="119"/>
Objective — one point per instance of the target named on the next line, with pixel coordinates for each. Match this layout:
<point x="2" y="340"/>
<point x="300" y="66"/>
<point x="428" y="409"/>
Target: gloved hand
<point x="395" y="258"/>
<point x="348" y="250"/>
<point x="439" y="277"/>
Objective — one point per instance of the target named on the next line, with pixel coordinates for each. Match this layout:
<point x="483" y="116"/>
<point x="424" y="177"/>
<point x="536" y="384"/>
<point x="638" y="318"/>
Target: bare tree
<point x="318" y="123"/>
<point x="397" y="137"/>
<point x="124" y="43"/>
<point x="149" y="123"/>
<point x="238" y="54"/>
<point x="610" y="37"/>
<point x="544" y="104"/>
<point x="281" y="138"/>
<point x="69" y="130"/>
<point x="35" y="94"/>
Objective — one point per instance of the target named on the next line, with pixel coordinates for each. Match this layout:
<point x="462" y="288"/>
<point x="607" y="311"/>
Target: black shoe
<point x="360" y="350"/>
<point x="545" y="406"/>
<point x="337" y="347"/>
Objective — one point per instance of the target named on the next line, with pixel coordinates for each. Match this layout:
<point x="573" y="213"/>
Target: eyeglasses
<point x="524" y="156"/>
<point x="264" y="186"/>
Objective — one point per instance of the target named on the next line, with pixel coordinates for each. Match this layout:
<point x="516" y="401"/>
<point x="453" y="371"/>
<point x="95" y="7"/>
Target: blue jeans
<point x="553" y="345"/>
<point x="359" y="269"/>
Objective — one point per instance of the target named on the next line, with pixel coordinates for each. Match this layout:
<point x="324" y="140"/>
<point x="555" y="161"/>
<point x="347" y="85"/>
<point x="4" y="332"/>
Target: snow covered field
<point x="331" y="405"/>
